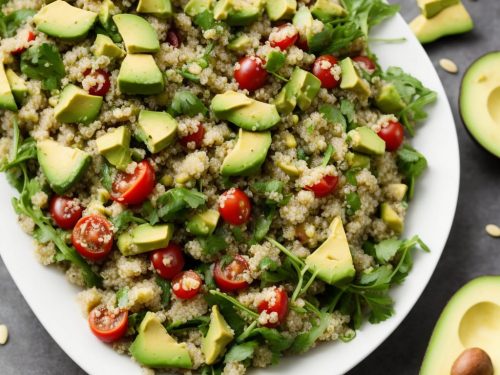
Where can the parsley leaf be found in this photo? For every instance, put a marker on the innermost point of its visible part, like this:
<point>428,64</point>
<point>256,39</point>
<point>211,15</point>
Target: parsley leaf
<point>241,352</point>
<point>43,62</point>
<point>213,244</point>
<point>387,249</point>
<point>171,204</point>
<point>368,13</point>
<point>411,164</point>
<point>186,103</point>
<point>333,115</point>
<point>9,24</point>
<point>347,109</point>
<point>306,340</point>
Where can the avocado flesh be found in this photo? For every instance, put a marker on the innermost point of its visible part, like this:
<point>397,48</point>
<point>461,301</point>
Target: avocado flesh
<point>7,100</point>
<point>144,238</point>
<point>154,347</point>
<point>158,8</point>
<point>137,33</point>
<point>247,155</point>
<point>204,223</point>
<point>450,21</point>
<point>75,105</point>
<point>303,21</point>
<point>63,166</point>
<point>218,336</point>
<point>115,147</point>
<point>156,129</point>
<point>366,141</point>
<point>104,46</point>
<point>237,12</point>
<point>195,7</point>
<point>480,101</point>
<point>240,43</point>
<point>139,75</point>
<point>300,90</point>
<point>470,319</point>
<point>351,79</point>
<point>328,10</point>
<point>64,21</point>
<point>391,218</point>
<point>430,8</point>
<point>389,100</point>
<point>17,85</point>
<point>280,9</point>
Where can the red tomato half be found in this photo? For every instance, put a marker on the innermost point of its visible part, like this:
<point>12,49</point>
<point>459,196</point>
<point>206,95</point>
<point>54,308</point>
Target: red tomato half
<point>235,207</point>
<point>196,137</point>
<point>284,36</point>
<point>366,63</point>
<point>324,187</point>
<point>187,284</point>
<point>103,82</point>
<point>393,135</point>
<point>168,262</point>
<point>134,188</point>
<point>250,73</point>
<point>29,37</point>
<point>65,211</point>
<point>322,69</point>
<point>276,307</point>
<point>231,277</point>
<point>108,325</point>
<point>92,237</point>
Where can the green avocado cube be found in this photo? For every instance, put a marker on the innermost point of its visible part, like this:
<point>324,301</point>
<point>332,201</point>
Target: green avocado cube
<point>300,90</point>
<point>238,12</point>
<point>144,238</point>
<point>328,10</point>
<point>104,46</point>
<point>303,21</point>
<point>219,335</point>
<point>391,218</point>
<point>366,141</point>
<point>7,100</point>
<point>139,75</point>
<point>396,191</point>
<point>17,85</point>
<point>240,43</point>
<point>388,99</point>
<point>156,129</point>
<point>351,79</point>
<point>195,7</point>
<point>355,160</point>
<point>430,8</point>
<point>115,147</point>
<point>137,33</point>
<point>204,223</point>
<point>76,105</point>
<point>280,9</point>
<point>158,8</point>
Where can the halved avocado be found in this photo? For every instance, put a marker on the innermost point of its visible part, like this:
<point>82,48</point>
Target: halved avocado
<point>480,101</point>
<point>470,319</point>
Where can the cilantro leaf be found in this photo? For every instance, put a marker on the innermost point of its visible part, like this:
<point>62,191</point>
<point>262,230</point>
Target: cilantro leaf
<point>306,340</point>
<point>368,13</point>
<point>10,23</point>
<point>275,340</point>
<point>241,352</point>
<point>43,62</point>
<point>205,20</point>
<point>176,200</point>
<point>186,103</point>
<point>165,290</point>
<point>347,109</point>
<point>333,115</point>
<point>123,220</point>
<point>213,244</point>
<point>387,249</point>
<point>411,164</point>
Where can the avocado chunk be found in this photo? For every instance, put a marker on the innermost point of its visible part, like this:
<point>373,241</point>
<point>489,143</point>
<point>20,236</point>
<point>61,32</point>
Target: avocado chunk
<point>158,8</point>
<point>450,21</point>
<point>63,166</point>
<point>204,223</point>
<point>76,105</point>
<point>480,101</point>
<point>333,259</point>
<point>351,79</point>
<point>104,46</point>
<point>195,7</point>
<point>139,75</point>
<point>218,336</point>
<point>144,238</point>
<point>137,33</point>
<point>396,191</point>
<point>247,113</point>
<point>17,85</point>
<point>289,169</point>
<point>388,99</point>
<point>303,21</point>
<point>300,90</point>
<point>366,141</point>
<point>391,218</point>
<point>247,155</point>
<point>115,147</point>
<point>355,160</point>
<point>238,12</point>
<point>328,10</point>
<point>430,8</point>
<point>240,43</point>
<point>154,347</point>
<point>280,9</point>
<point>7,100</point>
<point>64,21</point>
<point>156,129</point>
<point>470,319</point>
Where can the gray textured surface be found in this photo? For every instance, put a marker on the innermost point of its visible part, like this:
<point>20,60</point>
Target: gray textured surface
<point>469,252</point>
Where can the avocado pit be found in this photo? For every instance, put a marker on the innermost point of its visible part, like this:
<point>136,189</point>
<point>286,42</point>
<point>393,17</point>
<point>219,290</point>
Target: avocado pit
<point>473,361</point>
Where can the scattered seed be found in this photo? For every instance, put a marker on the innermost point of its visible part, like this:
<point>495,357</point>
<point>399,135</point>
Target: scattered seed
<point>448,65</point>
<point>493,230</point>
<point>4,334</point>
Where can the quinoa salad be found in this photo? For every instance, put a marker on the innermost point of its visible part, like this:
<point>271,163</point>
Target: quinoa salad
<point>226,180</point>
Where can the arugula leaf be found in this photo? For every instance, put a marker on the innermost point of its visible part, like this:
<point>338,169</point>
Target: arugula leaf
<point>353,203</point>
<point>201,322</point>
<point>276,341</point>
<point>334,38</point>
<point>21,151</point>
<point>213,244</point>
<point>333,115</point>
<point>165,290</point>
<point>241,352</point>
<point>43,62</point>
<point>328,155</point>
<point>228,306</point>
<point>10,23</point>
<point>368,13</point>
<point>122,297</point>
<point>177,200</point>
<point>304,341</point>
<point>411,164</point>
<point>186,103</point>
<point>123,220</point>
<point>275,60</point>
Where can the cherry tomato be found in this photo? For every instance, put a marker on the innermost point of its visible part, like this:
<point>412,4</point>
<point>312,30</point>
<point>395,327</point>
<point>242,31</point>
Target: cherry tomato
<point>235,207</point>
<point>276,307</point>
<point>92,237</point>
<point>196,137</point>
<point>65,211</point>
<point>173,38</point>
<point>103,82</point>
<point>250,73</point>
<point>324,187</point>
<point>29,37</point>
<point>168,262</point>
<point>284,36</point>
<point>366,63</point>
<point>231,277</point>
<point>393,135</point>
<point>322,69</point>
<point>108,325</point>
<point>134,188</point>
<point>187,284</point>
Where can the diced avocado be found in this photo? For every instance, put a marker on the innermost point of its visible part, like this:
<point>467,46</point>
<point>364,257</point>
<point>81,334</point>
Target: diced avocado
<point>430,8</point>
<point>76,105</point>
<point>396,191</point>
<point>137,33</point>
<point>328,10</point>
<point>238,12</point>
<point>115,147</point>
<point>7,100</point>
<point>280,9</point>
<point>247,155</point>
<point>18,86</point>
<point>144,238</point>
<point>366,141</point>
<point>204,223</point>
<point>62,20</point>
<point>63,166</point>
<point>355,160</point>
<point>154,347</point>
<point>240,43</point>
<point>300,90</point>
<point>158,8</point>
<point>245,112</point>
<point>156,129</point>
<point>104,46</point>
<point>388,99</point>
<point>290,169</point>
<point>333,259</point>
<point>218,336</point>
<point>195,7</point>
<point>105,10</point>
<point>303,21</point>
<point>351,79</point>
<point>140,75</point>
<point>391,218</point>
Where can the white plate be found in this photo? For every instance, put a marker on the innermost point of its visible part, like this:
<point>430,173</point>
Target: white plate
<point>52,298</point>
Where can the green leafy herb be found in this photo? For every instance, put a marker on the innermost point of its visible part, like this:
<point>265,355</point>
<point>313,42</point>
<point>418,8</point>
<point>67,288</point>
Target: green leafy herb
<point>411,164</point>
<point>149,213</point>
<point>368,13</point>
<point>123,220</point>
<point>9,24</point>
<point>241,352</point>
<point>177,200</point>
<point>43,62</point>
<point>328,155</point>
<point>122,297</point>
<point>21,151</point>
<point>351,174</point>
<point>186,103</point>
<point>265,188</point>
<point>334,38</point>
<point>387,249</point>
<point>213,244</point>
<point>333,115</point>
<point>348,110</point>
<point>134,320</point>
<point>275,61</point>
<point>201,323</point>
<point>205,20</point>
<point>165,290</point>
<point>228,307</point>
<point>353,203</point>
<point>306,340</point>
<point>276,341</point>
<point>301,154</point>
<point>262,225</point>
<point>106,176</point>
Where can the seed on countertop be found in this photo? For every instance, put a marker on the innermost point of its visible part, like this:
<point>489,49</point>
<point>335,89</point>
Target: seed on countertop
<point>4,334</point>
<point>448,65</point>
<point>493,230</point>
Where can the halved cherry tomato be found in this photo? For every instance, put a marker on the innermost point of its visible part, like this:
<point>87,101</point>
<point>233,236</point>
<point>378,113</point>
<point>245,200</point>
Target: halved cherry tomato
<point>196,137</point>
<point>108,325</point>
<point>168,262</point>
<point>103,84</point>
<point>366,63</point>
<point>230,277</point>
<point>92,237</point>
<point>250,73</point>
<point>276,307</point>
<point>187,284</point>
<point>134,188</point>
<point>393,135</point>
<point>324,187</point>
<point>322,69</point>
<point>29,37</point>
<point>65,211</point>
<point>284,36</point>
<point>235,207</point>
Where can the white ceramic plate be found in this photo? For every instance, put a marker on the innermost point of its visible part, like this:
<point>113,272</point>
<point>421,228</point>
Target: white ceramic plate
<point>52,298</point>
